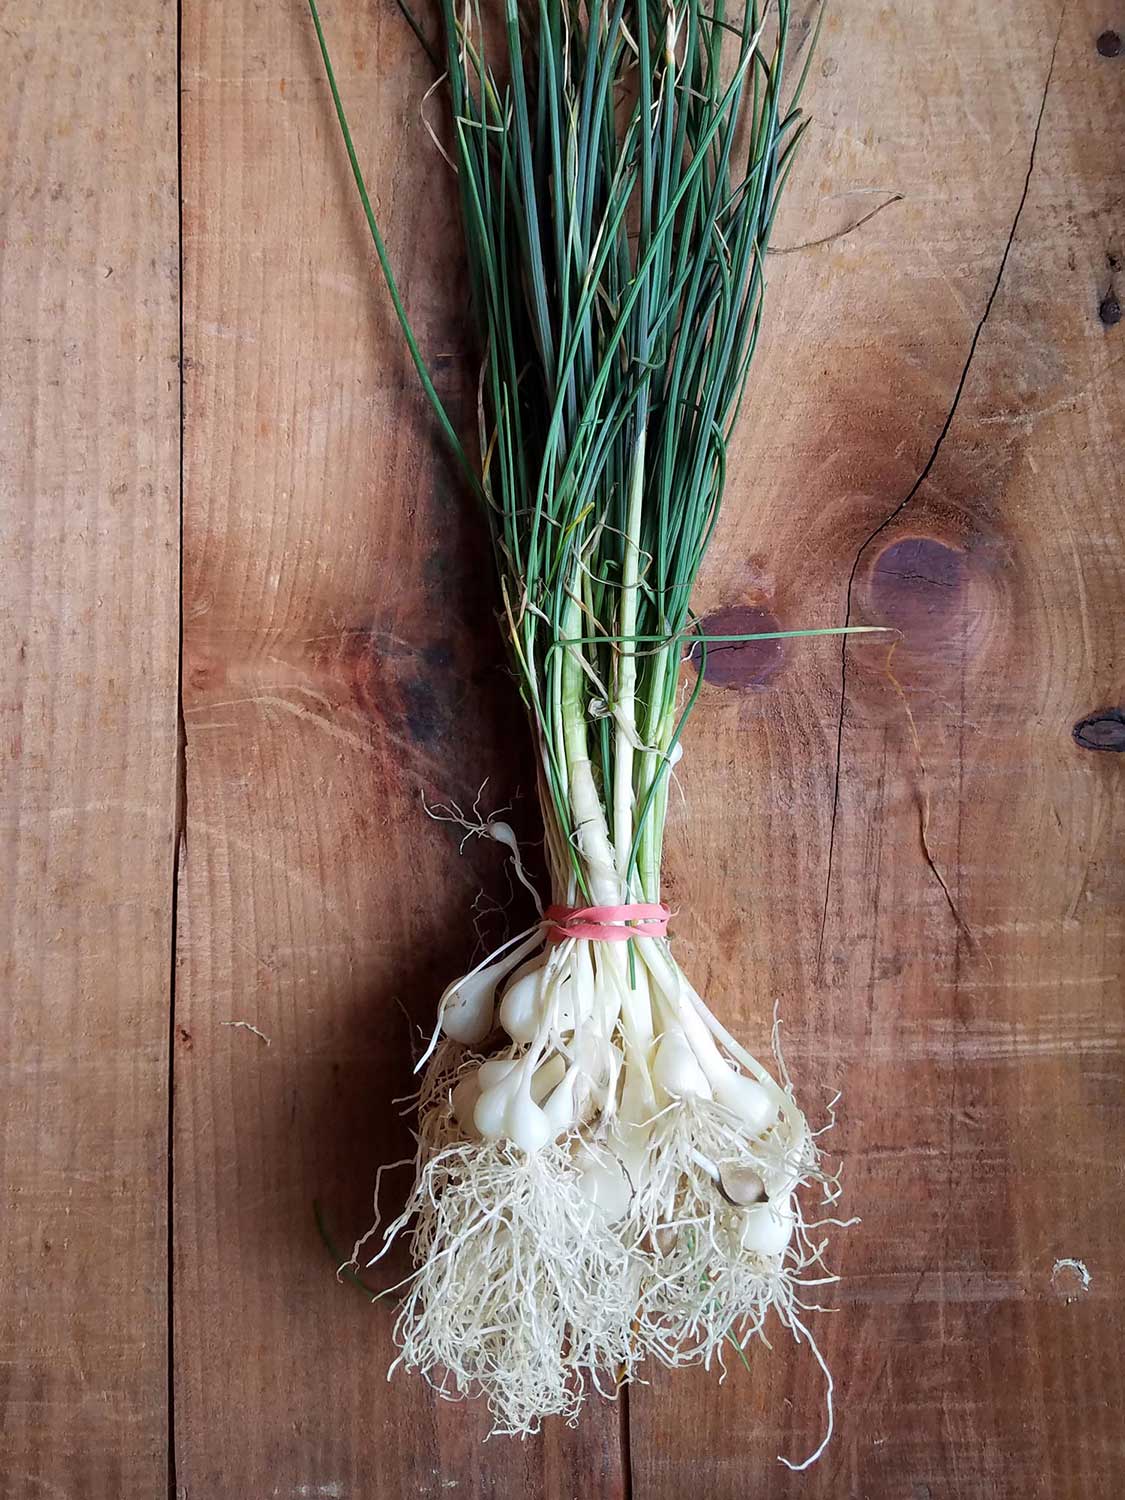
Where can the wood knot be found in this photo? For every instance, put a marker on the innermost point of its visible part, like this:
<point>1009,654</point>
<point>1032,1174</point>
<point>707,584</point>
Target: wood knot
<point>916,585</point>
<point>203,675</point>
<point>1108,44</point>
<point>743,665</point>
<point>389,677</point>
<point>1101,731</point>
<point>949,602</point>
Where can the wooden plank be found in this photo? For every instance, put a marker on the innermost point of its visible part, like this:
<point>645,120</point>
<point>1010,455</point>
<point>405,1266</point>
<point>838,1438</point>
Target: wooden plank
<point>89,495</point>
<point>340,661</point>
<point>981,1062</point>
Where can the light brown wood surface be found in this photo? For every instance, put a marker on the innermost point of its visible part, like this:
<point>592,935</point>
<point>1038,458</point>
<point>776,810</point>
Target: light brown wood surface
<point>910,854</point>
<point>89,603</point>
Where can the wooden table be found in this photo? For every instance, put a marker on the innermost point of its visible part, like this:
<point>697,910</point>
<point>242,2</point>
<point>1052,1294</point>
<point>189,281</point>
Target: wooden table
<point>247,627</point>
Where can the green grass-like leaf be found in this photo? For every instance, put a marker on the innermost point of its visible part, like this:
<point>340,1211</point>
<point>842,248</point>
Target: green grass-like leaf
<point>619,172</point>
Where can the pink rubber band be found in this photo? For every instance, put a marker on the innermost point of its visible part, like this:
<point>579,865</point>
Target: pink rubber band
<point>594,924</point>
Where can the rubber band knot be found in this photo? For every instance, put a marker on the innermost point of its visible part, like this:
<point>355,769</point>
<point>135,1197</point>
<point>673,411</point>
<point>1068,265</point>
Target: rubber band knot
<point>607,924</point>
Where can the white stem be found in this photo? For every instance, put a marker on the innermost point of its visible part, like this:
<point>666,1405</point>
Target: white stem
<point>590,826</point>
<point>625,695</point>
<point>694,1015</point>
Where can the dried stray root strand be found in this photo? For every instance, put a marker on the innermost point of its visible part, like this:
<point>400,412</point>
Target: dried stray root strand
<point>618,1180</point>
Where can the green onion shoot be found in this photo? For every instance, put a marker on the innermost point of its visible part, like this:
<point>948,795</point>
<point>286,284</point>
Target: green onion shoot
<point>604,1175</point>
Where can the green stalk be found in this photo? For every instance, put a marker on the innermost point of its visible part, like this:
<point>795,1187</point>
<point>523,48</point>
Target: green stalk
<point>654,767</point>
<point>617,199</point>
<point>625,707</point>
<point>435,401</point>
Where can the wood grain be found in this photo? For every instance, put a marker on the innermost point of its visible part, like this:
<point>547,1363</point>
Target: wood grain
<point>340,662</point>
<point>89,498</point>
<point>337,655</point>
<point>910,852</point>
<point>975,1030</point>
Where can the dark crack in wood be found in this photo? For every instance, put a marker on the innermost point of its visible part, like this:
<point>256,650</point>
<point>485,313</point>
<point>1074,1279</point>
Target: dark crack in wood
<point>897,511</point>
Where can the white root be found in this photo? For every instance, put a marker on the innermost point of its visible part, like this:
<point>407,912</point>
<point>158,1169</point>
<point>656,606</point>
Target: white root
<point>522,1292</point>
<point>618,1180</point>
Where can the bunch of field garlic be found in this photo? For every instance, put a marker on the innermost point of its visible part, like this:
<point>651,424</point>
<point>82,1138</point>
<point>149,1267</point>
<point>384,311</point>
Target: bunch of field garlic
<point>603,1174</point>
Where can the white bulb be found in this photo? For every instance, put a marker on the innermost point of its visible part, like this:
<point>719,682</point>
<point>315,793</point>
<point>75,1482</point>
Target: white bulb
<point>490,1114</point>
<point>750,1101</point>
<point>604,1183</point>
<point>527,1125</point>
<point>466,1008</point>
<point>677,1070</point>
<point>768,1227</point>
<point>464,1101</point>
<point>559,1108</point>
<point>502,833</point>
<point>520,1010</point>
<point>494,1071</point>
<point>547,1077</point>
